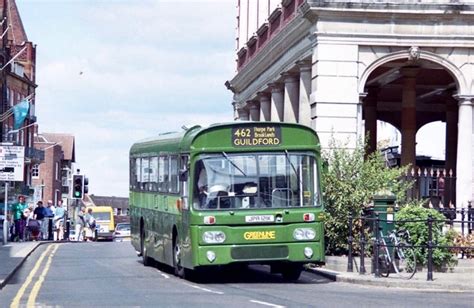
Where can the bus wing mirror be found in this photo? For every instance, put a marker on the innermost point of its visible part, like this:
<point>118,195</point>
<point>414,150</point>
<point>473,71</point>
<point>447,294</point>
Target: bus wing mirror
<point>183,175</point>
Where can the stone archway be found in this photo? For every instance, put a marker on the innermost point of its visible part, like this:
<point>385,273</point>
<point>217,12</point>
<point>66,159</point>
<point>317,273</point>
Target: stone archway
<point>409,89</point>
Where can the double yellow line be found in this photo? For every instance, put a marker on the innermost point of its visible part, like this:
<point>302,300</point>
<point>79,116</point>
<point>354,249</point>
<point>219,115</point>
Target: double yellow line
<point>51,250</point>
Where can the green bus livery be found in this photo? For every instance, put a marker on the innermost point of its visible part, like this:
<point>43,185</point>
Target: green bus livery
<point>243,192</point>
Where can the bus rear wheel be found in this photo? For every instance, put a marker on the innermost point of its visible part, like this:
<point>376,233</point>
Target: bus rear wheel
<point>143,251</point>
<point>178,268</point>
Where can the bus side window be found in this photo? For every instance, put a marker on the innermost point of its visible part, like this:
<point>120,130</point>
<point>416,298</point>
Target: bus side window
<point>154,173</point>
<point>173,174</point>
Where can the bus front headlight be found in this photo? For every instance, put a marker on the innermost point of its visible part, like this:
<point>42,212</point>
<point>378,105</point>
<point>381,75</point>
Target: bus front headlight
<point>301,234</point>
<point>213,237</point>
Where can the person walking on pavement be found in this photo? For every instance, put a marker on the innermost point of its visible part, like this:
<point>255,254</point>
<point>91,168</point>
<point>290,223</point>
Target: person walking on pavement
<point>90,225</point>
<point>59,215</point>
<point>17,212</point>
<point>80,224</point>
<point>49,215</point>
<point>39,215</point>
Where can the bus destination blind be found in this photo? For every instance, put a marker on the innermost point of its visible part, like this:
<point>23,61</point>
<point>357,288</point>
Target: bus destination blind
<point>256,136</point>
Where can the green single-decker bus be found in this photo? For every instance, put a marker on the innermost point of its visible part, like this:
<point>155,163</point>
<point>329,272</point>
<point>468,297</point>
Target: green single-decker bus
<point>231,193</point>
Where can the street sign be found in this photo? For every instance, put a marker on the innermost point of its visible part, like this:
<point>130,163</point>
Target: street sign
<point>12,163</point>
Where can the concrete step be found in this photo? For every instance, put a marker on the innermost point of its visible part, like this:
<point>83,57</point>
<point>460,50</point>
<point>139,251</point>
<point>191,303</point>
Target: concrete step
<point>339,264</point>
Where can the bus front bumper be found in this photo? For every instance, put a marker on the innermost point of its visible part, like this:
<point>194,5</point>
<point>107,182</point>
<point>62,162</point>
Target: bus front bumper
<point>304,252</point>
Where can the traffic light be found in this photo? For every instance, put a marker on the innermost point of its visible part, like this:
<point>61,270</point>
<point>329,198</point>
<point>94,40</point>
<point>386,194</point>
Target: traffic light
<point>86,187</point>
<point>77,186</point>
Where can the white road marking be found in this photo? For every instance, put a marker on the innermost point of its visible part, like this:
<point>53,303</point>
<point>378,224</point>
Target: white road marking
<point>266,304</point>
<point>204,289</point>
<point>164,275</point>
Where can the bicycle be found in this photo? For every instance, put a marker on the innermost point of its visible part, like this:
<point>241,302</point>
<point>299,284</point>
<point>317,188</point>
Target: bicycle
<point>403,259</point>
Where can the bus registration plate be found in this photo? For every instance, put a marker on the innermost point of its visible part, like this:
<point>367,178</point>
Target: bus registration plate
<point>259,218</point>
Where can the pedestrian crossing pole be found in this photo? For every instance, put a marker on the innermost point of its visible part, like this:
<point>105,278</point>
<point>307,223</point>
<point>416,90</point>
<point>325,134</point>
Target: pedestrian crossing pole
<point>5,211</point>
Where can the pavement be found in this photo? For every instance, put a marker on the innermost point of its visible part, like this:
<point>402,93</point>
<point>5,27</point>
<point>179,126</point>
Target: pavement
<point>461,279</point>
<point>458,279</point>
<point>12,256</point>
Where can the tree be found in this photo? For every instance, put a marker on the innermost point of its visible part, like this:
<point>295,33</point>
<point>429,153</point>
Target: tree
<point>349,182</point>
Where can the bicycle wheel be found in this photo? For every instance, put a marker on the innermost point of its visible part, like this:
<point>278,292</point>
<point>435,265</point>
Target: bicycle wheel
<point>404,261</point>
<point>384,264</point>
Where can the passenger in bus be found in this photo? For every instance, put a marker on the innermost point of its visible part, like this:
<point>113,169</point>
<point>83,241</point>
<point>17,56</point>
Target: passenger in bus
<point>216,192</point>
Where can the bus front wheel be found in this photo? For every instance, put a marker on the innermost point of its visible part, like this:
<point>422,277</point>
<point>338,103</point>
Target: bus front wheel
<point>292,272</point>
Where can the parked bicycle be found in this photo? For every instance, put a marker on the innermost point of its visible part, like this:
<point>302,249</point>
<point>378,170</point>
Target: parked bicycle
<point>402,259</point>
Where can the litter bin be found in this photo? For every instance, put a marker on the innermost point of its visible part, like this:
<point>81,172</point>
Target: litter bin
<point>384,205</point>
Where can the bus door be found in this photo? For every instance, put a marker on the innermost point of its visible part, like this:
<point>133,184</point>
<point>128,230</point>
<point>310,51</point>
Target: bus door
<point>184,208</point>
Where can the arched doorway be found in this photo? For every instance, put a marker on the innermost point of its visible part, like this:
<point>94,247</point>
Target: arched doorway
<point>410,90</point>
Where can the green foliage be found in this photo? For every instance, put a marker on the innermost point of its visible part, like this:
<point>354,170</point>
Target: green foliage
<point>419,234</point>
<point>349,183</point>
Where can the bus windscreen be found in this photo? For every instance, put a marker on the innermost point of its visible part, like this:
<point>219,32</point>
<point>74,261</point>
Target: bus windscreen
<point>256,180</point>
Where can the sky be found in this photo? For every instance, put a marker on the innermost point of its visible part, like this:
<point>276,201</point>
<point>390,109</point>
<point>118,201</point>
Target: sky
<point>113,72</point>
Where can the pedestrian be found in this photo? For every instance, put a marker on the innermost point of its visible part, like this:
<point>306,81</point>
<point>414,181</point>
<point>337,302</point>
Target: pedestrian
<point>59,216</point>
<point>39,214</point>
<point>18,220</point>
<point>80,224</point>
<point>49,216</point>
<point>90,225</point>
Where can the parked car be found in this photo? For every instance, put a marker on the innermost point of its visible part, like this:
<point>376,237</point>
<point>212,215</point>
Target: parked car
<point>122,232</point>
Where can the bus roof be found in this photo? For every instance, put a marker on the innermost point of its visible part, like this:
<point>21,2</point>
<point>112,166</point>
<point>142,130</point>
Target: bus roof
<point>200,138</point>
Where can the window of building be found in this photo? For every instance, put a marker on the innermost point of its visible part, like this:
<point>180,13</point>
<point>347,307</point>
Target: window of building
<point>22,138</point>
<point>35,171</point>
<point>12,98</point>
<point>56,171</point>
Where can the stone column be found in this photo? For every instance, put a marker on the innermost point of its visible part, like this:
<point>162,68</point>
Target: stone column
<point>409,116</point>
<point>370,116</point>
<point>276,113</point>
<point>304,110</point>
<point>464,153</point>
<point>242,112</point>
<point>292,95</point>
<point>254,110</point>
<point>450,150</point>
<point>265,106</point>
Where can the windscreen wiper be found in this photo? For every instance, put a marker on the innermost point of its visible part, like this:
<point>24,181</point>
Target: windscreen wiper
<point>293,167</point>
<point>232,163</point>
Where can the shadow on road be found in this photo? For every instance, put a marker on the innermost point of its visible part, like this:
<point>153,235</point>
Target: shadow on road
<point>240,273</point>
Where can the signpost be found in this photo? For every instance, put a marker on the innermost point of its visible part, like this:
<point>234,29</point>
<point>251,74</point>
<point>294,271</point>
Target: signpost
<point>12,163</point>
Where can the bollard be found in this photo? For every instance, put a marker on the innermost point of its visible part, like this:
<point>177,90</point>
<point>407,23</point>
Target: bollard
<point>66,229</point>
<point>377,245</point>
<point>430,248</point>
<point>50,229</point>
<point>362,248</point>
<point>350,240</point>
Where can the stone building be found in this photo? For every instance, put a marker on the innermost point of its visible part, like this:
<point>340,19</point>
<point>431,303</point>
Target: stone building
<point>339,66</point>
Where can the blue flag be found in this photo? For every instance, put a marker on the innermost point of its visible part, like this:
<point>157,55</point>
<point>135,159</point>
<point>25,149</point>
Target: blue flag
<point>20,111</point>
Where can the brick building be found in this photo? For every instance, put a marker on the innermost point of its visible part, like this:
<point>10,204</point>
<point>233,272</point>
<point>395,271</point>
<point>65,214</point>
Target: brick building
<point>52,178</point>
<point>18,82</point>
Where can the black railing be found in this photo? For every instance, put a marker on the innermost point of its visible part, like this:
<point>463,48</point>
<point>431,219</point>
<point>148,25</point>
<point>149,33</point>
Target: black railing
<point>436,186</point>
<point>467,228</point>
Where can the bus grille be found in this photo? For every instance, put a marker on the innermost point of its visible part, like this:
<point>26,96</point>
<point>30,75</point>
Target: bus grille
<point>265,252</point>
